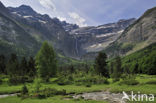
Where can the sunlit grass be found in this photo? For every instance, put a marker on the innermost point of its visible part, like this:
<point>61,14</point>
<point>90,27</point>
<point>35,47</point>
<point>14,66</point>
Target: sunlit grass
<point>142,87</point>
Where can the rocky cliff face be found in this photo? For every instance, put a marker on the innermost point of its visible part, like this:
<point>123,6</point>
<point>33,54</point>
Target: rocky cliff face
<point>137,36</point>
<point>72,40</point>
<point>22,22</point>
<point>94,39</point>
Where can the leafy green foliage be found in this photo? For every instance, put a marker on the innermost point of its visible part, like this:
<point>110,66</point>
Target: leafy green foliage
<point>37,83</point>
<point>81,78</point>
<point>24,90</point>
<point>151,82</point>
<point>129,82</point>
<point>46,62</point>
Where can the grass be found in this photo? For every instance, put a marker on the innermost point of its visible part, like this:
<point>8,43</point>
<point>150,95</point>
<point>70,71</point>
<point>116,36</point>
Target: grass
<point>143,87</point>
<point>6,89</point>
<point>56,99</point>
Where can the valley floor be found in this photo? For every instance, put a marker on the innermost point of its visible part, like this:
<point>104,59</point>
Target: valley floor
<point>144,87</point>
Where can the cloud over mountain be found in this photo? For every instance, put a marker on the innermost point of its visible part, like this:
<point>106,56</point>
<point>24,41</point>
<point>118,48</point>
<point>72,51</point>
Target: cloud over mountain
<point>78,19</point>
<point>48,4</point>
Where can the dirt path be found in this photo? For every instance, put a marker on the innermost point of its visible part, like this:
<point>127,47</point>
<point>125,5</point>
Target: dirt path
<point>7,95</point>
<point>100,96</point>
<point>104,95</point>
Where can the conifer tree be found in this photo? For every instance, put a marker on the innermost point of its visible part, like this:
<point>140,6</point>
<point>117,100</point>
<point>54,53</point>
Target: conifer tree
<point>23,67</point>
<point>46,62</point>
<point>31,67</point>
<point>2,64</point>
<point>101,64</point>
<point>13,65</point>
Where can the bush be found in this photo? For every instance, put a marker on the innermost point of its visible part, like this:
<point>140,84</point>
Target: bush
<point>48,92</point>
<point>116,80</point>
<point>37,84</point>
<point>24,90</point>
<point>129,82</point>
<point>151,82</point>
<point>64,82</point>
<point>1,81</point>
<point>88,85</point>
<point>17,80</point>
<point>102,81</point>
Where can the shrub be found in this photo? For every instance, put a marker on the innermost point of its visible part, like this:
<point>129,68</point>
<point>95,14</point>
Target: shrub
<point>91,80</point>
<point>88,85</point>
<point>37,84</point>
<point>1,81</point>
<point>78,83</point>
<point>48,92</point>
<point>24,90</point>
<point>116,80</point>
<point>151,82</point>
<point>129,82</point>
<point>64,82</point>
<point>102,81</point>
<point>17,80</point>
<point>70,78</point>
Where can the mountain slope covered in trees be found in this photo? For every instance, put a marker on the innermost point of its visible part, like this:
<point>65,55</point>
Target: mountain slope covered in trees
<point>142,61</point>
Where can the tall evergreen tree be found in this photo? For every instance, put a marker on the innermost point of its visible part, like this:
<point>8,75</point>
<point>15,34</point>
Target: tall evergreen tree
<point>46,62</point>
<point>23,68</point>
<point>31,67</point>
<point>118,64</point>
<point>2,64</point>
<point>135,69</point>
<point>117,70</point>
<point>111,67</point>
<point>13,65</point>
<point>101,64</point>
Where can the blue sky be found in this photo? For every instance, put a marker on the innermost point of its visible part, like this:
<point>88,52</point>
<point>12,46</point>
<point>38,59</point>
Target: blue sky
<point>87,12</point>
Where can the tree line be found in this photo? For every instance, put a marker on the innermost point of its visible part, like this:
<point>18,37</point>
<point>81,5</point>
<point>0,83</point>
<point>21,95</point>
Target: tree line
<point>45,66</point>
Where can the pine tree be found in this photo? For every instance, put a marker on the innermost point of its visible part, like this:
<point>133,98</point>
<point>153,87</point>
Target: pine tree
<point>13,66</point>
<point>101,64</point>
<point>111,67</point>
<point>23,67</point>
<point>2,64</point>
<point>118,64</point>
<point>46,62</point>
<point>117,70</point>
<point>31,67</point>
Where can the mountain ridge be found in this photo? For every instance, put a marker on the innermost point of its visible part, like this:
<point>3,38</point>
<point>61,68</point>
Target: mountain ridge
<point>137,36</point>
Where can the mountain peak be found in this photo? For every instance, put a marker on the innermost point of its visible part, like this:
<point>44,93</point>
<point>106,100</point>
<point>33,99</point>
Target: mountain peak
<point>1,4</point>
<point>24,7</point>
<point>23,10</point>
<point>3,9</point>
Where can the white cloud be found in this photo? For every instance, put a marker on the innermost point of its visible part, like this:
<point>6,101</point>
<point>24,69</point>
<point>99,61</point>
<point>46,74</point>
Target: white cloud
<point>48,4</point>
<point>74,17</point>
<point>77,19</point>
<point>62,18</point>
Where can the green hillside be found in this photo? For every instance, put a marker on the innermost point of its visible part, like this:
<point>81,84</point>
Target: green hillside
<point>142,61</point>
